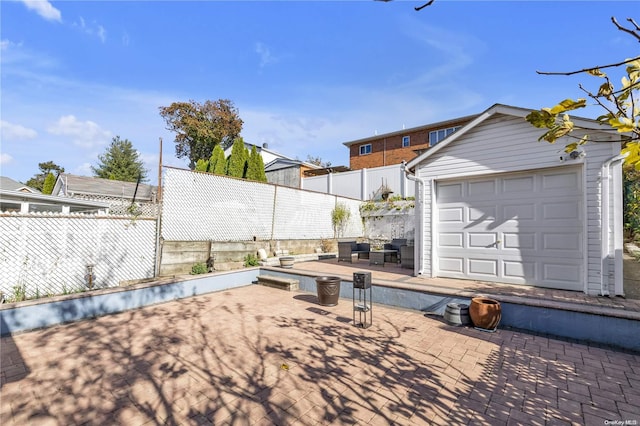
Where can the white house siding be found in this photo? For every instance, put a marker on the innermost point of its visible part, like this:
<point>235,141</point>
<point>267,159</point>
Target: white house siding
<point>506,143</point>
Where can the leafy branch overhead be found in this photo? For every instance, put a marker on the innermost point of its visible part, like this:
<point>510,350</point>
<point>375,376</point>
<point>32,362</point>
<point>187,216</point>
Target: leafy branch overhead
<point>620,105</point>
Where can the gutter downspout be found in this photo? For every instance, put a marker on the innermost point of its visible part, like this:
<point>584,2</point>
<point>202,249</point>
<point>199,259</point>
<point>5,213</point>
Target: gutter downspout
<point>419,248</point>
<point>605,251</point>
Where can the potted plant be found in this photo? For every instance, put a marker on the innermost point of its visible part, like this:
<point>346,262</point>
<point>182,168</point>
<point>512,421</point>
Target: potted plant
<point>328,289</point>
<point>286,261</point>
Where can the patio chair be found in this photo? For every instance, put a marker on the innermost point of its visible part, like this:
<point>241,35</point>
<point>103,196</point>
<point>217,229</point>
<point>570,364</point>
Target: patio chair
<point>346,250</point>
<point>363,250</point>
<point>395,244</point>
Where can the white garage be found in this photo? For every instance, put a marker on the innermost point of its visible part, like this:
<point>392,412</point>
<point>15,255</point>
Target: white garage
<point>519,228</point>
<point>497,205</point>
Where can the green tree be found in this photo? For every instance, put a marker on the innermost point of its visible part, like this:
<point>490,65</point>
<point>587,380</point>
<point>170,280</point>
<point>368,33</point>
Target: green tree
<point>120,162</point>
<point>200,127</point>
<point>217,162</point>
<point>237,161</point>
<point>632,202</point>
<point>620,105</point>
<point>255,166</point>
<point>49,183</point>
<point>202,165</point>
<point>37,181</point>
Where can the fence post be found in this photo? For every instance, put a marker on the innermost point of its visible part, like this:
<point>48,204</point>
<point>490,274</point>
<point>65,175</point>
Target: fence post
<point>364,188</point>
<point>273,214</point>
<point>403,182</point>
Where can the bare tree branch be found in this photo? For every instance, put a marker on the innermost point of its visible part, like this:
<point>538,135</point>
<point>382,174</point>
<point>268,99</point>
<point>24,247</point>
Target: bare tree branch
<point>419,8</point>
<point>589,69</point>
<point>429,3</point>
<point>626,30</point>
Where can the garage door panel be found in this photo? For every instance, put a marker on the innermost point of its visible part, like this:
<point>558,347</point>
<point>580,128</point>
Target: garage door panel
<point>521,228</point>
<point>561,181</point>
<point>482,213</point>
<point>557,241</point>
<point>452,239</point>
<point>519,241</point>
<point>561,210</point>
<point>521,211</point>
<point>518,184</point>
<point>452,214</point>
<point>450,191</point>
<point>483,267</point>
<point>453,265</point>
<point>482,188</point>
<point>519,271</point>
<point>482,239</point>
<point>560,272</point>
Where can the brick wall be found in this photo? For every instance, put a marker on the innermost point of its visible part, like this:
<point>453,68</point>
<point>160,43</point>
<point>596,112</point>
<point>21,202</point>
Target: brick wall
<point>387,149</point>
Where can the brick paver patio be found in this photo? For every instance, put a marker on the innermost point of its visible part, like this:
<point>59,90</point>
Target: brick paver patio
<point>257,355</point>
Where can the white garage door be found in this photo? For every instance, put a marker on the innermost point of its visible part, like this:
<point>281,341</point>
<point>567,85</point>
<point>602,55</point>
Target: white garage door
<point>518,228</point>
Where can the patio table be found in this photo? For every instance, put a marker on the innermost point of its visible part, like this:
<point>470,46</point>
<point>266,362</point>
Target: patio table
<point>377,257</point>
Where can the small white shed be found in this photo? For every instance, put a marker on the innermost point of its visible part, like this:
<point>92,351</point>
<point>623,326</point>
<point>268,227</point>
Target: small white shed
<point>497,205</point>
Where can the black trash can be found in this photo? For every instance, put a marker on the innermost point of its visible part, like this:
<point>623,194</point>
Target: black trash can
<point>328,290</point>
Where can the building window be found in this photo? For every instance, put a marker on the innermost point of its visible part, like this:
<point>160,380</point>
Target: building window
<point>438,135</point>
<point>365,149</point>
<point>406,141</point>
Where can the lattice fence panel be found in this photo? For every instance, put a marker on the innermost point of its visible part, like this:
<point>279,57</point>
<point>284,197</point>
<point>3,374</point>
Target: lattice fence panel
<point>307,215</point>
<point>48,254</point>
<point>203,207</point>
<point>302,215</point>
<point>122,206</point>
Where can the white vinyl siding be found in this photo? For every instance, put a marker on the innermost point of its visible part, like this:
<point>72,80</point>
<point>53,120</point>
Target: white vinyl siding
<point>505,143</point>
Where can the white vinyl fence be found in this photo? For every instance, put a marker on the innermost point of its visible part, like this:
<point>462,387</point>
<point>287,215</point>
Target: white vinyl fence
<point>204,207</point>
<point>363,184</point>
<point>49,254</point>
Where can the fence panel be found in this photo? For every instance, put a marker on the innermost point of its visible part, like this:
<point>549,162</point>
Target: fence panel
<point>48,254</point>
<point>302,215</point>
<point>203,207</point>
<point>362,184</point>
<point>347,184</point>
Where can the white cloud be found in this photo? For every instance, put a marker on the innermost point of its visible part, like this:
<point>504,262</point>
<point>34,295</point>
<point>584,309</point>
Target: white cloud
<point>92,29</point>
<point>44,9</point>
<point>86,134</point>
<point>83,169</point>
<point>10,131</point>
<point>266,57</point>
<point>5,158</point>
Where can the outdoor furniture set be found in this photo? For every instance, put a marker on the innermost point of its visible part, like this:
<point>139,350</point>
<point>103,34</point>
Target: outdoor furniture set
<point>397,251</point>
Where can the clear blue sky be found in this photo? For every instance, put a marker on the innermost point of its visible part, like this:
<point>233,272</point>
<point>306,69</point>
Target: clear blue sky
<point>306,76</point>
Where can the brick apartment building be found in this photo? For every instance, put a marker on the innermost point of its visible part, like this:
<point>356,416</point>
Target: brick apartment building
<point>393,148</point>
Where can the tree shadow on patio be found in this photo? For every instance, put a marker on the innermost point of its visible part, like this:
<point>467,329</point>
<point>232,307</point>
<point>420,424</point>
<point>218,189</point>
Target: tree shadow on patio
<point>255,355</point>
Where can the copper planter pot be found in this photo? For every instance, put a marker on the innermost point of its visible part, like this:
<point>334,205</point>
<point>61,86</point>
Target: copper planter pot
<point>485,313</point>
